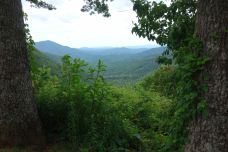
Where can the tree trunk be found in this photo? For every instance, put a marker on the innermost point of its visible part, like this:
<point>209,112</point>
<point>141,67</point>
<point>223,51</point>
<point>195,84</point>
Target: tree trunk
<point>19,121</point>
<point>210,134</point>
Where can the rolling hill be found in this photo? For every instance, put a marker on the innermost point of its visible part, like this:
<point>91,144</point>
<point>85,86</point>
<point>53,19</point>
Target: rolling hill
<point>47,60</point>
<point>123,64</point>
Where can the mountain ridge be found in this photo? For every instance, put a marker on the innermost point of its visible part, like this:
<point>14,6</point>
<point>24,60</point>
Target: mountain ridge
<point>122,63</point>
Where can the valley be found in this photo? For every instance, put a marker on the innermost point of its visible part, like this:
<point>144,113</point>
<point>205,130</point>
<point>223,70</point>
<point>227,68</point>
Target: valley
<point>123,65</point>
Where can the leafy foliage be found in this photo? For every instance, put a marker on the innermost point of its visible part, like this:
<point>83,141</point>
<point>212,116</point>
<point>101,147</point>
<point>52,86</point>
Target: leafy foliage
<point>99,6</point>
<point>92,6</point>
<point>41,4</point>
<point>167,25</point>
<point>174,26</point>
<point>164,60</point>
<point>80,108</point>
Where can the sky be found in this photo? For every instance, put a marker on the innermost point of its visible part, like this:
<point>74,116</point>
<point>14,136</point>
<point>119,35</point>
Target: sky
<point>69,26</point>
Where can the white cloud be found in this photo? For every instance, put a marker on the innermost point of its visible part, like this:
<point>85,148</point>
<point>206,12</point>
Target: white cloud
<point>69,26</point>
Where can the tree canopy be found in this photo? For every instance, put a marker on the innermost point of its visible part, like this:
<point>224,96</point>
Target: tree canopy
<point>41,4</point>
<point>92,6</point>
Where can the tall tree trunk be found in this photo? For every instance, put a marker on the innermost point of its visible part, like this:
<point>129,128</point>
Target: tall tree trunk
<point>210,134</point>
<point>19,121</point>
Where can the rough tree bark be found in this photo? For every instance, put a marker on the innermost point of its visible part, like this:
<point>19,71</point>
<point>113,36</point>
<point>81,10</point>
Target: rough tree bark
<point>19,121</point>
<point>210,134</point>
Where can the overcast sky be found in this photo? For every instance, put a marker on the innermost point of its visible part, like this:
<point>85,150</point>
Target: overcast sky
<point>69,26</point>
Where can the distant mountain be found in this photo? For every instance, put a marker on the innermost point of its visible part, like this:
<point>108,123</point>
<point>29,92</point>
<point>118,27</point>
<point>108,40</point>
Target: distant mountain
<point>60,50</point>
<point>54,48</point>
<point>123,64</point>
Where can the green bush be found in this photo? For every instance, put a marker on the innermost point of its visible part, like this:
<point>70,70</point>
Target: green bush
<point>79,108</point>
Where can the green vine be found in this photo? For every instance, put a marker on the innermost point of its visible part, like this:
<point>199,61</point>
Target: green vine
<point>174,26</point>
<point>188,79</point>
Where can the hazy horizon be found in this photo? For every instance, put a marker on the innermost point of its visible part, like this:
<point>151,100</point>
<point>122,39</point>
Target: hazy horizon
<point>126,46</point>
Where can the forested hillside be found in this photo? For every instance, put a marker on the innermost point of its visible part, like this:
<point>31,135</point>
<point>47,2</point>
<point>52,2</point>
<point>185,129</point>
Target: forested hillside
<point>47,60</point>
<point>123,65</point>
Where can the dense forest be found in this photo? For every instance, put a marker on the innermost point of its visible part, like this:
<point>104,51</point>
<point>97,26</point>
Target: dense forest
<point>167,99</point>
